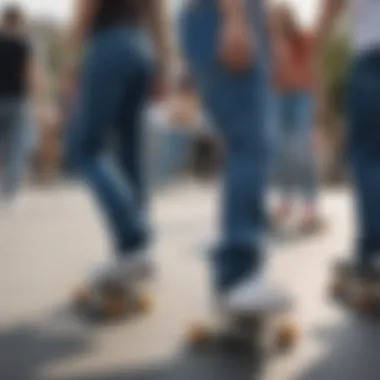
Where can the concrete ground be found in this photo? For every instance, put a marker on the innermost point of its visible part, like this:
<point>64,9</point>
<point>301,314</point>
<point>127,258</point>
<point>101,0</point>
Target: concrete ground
<point>47,246</point>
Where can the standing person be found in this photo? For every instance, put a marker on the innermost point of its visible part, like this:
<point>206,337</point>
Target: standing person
<point>20,79</point>
<point>294,103</point>
<point>115,80</point>
<point>363,114</point>
<point>225,43</point>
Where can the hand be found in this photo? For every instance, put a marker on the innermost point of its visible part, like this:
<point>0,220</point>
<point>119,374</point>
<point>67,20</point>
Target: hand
<point>235,45</point>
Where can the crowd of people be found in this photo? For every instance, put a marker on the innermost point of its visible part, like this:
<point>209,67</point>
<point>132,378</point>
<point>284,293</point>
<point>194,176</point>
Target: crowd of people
<point>256,75</point>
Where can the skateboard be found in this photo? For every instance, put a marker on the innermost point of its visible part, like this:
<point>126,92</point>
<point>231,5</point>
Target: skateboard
<point>250,330</point>
<point>357,288</point>
<point>114,300</point>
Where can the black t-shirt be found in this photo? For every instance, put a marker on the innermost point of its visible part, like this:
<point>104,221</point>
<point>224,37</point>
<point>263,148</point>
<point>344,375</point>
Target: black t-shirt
<point>14,55</point>
<point>117,12</point>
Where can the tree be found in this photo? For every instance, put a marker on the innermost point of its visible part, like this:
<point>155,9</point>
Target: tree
<point>336,65</point>
<point>336,68</point>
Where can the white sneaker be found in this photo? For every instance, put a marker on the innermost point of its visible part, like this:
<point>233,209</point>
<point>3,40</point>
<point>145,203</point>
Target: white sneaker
<point>126,270</point>
<point>255,295</point>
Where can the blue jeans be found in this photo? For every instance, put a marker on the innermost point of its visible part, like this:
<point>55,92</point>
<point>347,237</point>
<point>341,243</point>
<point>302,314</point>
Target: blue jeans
<point>295,167</point>
<point>106,133</point>
<point>15,145</point>
<point>236,104</point>
<point>364,149</point>
<point>171,155</point>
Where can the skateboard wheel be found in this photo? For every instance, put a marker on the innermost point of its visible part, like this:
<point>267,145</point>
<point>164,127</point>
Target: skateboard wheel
<point>145,303</point>
<point>114,307</point>
<point>286,335</point>
<point>198,334</point>
<point>364,305</point>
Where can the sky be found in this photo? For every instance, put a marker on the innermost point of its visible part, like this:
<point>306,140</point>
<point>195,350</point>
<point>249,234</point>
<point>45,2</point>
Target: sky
<point>60,9</point>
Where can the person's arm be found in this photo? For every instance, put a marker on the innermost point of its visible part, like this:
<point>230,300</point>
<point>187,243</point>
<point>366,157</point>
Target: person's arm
<point>80,25</point>
<point>278,48</point>
<point>235,45</point>
<point>158,25</point>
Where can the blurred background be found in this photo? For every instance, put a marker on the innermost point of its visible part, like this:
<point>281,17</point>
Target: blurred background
<point>48,22</point>
<point>49,242</point>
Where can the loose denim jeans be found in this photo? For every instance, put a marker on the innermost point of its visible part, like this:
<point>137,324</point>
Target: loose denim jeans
<point>295,167</point>
<point>113,90</point>
<point>237,104</point>
<point>364,149</point>
<point>16,143</point>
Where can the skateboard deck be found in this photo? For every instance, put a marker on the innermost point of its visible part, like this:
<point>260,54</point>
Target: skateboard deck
<point>114,300</point>
<point>357,290</point>
<point>250,329</point>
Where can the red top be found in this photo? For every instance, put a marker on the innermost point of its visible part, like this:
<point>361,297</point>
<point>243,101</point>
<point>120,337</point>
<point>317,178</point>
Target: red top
<point>294,71</point>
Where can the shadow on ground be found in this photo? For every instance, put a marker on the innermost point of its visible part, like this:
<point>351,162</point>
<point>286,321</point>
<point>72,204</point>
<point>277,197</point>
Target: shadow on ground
<point>352,352</point>
<point>192,365</point>
<point>26,349</point>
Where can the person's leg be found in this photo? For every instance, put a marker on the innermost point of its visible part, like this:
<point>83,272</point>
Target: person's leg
<point>14,149</point>
<point>4,133</point>
<point>306,173</point>
<point>129,139</point>
<point>109,69</point>
<point>364,150</point>
<point>285,161</point>
<point>236,103</point>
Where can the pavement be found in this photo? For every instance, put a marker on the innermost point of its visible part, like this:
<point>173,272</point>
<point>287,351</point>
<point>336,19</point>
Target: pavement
<point>47,246</point>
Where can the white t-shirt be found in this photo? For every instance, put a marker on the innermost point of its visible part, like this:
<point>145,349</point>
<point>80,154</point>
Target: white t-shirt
<point>365,21</point>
